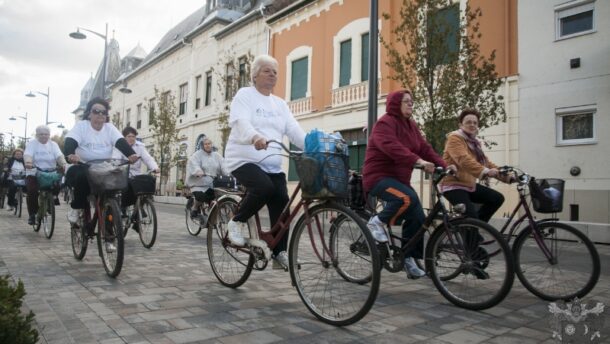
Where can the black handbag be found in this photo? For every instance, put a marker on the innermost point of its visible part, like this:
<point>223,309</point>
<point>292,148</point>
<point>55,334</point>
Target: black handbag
<point>226,182</point>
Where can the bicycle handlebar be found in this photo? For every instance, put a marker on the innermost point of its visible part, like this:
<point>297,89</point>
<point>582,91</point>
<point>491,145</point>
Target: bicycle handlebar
<point>520,176</point>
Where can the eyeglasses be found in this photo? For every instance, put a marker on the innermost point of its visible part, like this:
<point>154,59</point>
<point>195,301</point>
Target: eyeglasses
<point>99,112</point>
<point>410,102</point>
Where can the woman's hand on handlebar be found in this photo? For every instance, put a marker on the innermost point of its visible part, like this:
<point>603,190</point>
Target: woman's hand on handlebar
<point>260,143</point>
<point>73,158</point>
<point>133,158</point>
<point>425,165</point>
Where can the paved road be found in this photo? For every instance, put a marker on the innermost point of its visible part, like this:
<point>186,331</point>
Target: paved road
<point>169,295</point>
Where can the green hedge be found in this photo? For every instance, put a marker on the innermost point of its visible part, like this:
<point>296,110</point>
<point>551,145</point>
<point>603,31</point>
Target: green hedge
<point>14,326</point>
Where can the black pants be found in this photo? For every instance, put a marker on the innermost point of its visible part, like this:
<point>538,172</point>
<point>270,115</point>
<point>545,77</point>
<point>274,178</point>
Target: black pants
<point>76,177</point>
<point>489,199</point>
<point>204,197</point>
<point>12,190</point>
<point>263,189</point>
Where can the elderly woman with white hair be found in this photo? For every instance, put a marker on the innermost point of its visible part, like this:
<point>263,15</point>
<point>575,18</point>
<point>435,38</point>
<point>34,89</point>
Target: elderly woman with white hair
<point>44,154</point>
<point>257,116</point>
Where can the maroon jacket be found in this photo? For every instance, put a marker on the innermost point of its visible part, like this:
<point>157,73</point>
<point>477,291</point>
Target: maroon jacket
<point>394,146</point>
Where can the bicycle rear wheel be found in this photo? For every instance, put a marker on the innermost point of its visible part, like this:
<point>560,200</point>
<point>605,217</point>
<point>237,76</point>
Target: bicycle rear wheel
<point>126,219</point>
<point>192,224</point>
<point>470,264</point>
<point>48,218</point>
<point>110,238</point>
<point>147,222</point>
<point>19,199</point>
<point>574,267</point>
<point>232,266</point>
<point>78,236</point>
<point>337,282</point>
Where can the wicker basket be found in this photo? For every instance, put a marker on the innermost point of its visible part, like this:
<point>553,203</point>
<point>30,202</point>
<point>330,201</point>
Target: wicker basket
<point>107,175</point>
<point>323,175</point>
<point>547,195</point>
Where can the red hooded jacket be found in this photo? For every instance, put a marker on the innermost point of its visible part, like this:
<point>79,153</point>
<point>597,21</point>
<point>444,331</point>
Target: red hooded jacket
<point>394,146</point>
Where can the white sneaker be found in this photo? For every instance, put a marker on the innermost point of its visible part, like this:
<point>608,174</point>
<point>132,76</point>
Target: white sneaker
<point>377,229</point>
<point>235,229</point>
<point>110,248</point>
<point>413,272</point>
<point>281,261</point>
<point>74,215</point>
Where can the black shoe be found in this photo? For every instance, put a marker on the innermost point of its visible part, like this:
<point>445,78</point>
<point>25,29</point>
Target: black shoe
<point>32,219</point>
<point>136,227</point>
<point>479,273</point>
<point>56,201</point>
<point>194,214</point>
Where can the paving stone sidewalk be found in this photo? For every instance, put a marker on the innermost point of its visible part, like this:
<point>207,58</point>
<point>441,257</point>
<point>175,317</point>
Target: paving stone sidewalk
<point>168,294</point>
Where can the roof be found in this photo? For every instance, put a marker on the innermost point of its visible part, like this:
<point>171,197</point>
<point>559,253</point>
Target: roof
<point>137,52</point>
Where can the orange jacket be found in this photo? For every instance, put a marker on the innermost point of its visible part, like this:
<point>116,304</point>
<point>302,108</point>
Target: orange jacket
<point>469,169</point>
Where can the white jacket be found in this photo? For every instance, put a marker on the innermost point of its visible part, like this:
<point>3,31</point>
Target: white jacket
<point>211,164</point>
<point>136,168</point>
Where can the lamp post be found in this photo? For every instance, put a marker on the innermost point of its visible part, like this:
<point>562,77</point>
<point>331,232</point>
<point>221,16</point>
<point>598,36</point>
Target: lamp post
<point>25,133</point>
<point>48,95</point>
<point>373,37</point>
<point>80,35</point>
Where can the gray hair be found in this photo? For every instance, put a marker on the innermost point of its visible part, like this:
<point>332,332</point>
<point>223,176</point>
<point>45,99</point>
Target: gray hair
<point>43,128</point>
<point>259,62</point>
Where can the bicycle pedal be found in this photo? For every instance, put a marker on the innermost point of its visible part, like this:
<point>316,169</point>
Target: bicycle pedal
<point>260,244</point>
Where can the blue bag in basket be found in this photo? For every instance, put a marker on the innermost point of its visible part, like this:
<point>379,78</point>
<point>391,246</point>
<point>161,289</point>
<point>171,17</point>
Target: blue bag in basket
<point>324,167</point>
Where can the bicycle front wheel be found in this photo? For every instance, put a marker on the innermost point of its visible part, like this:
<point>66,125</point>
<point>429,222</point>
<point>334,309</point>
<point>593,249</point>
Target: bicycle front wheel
<point>571,270</point>
<point>192,224</point>
<point>333,264</point>
<point>470,263</point>
<point>231,265</point>
<point>147,222</point>
<point>19,198</point>
<point>110,238</point>
<point>48,217</point>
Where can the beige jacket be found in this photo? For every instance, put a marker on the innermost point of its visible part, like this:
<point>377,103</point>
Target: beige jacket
<point>469,169</point>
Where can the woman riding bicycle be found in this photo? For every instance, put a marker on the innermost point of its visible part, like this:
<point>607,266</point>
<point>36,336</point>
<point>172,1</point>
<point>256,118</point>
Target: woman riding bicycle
<point>130,134</point>
<point>258,116</point>
<point>14,166</point>
<point>90,139</point>
<point>202,167</point>
<point>395,145</point>
<point>463,149</point>
<point>46,155</point>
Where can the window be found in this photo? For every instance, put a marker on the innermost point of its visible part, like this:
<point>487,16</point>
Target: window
<point>443,34</point>
<point>183,97</point>
<point>151,110</point>
<point>198,92</point>
<point>241,82</point>
<point>298,80</point>
<point>345,64</point>
<point>139,116</point>
<point>208,88</point>
<point>128,117</point>
<point>364,57</point>
<point>229,73</point>
<point>574,19</point>
<point>576,125</point>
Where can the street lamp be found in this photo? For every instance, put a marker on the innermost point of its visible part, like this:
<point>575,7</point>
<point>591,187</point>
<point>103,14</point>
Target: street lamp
<point>80,35</point>
<point>48,94</point>
<point>60,126</point>
<point>25,134</point>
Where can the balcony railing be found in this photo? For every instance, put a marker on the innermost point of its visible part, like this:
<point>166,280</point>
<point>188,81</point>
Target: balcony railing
<point>300,106</point>
<point>350,94</point>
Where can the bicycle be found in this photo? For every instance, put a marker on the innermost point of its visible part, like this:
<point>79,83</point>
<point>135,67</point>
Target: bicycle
<point>319,252</point>
<point>195,224</point>
<point>144,220</point>
<point>19,180</point>
<point>45,216</point>
<point>106,179</point>
<point>554,260</point>
<point>461,270</point>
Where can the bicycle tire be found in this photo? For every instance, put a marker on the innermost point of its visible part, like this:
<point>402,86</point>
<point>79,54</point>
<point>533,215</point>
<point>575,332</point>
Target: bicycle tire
<point>19,198</point>
<point>192,225</point>
<point>111,232</point>
<point>147,222</point>
<point>38,222</point>
<point>357,247</point>
<point>462,270</point>
<point>49,217</point>
<point>78,237</point>
<point>231,266</point>
<point>319,274</point>
<point>126,219</point>
<point>576,271</point>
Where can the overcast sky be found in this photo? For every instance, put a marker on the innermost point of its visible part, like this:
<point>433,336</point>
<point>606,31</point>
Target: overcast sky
<point>36,51</point>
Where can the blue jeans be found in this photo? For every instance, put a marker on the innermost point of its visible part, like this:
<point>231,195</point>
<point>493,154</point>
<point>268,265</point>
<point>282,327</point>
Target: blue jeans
<point>402,206</point>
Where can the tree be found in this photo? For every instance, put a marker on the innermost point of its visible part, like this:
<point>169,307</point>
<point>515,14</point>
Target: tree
<point>435,54</point>
<point>164,133</point>
<point>59,139</point>
<point>234,77</point>
<point>15,327</point>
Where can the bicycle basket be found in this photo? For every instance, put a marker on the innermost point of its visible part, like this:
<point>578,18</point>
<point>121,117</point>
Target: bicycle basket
<point>106,175</point>
<point>143,184</point>
<point>547,195</point>
<point>323,175</point>
<point>47,180</point>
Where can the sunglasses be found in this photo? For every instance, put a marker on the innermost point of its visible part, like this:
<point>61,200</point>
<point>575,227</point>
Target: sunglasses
<point>99,112</point>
